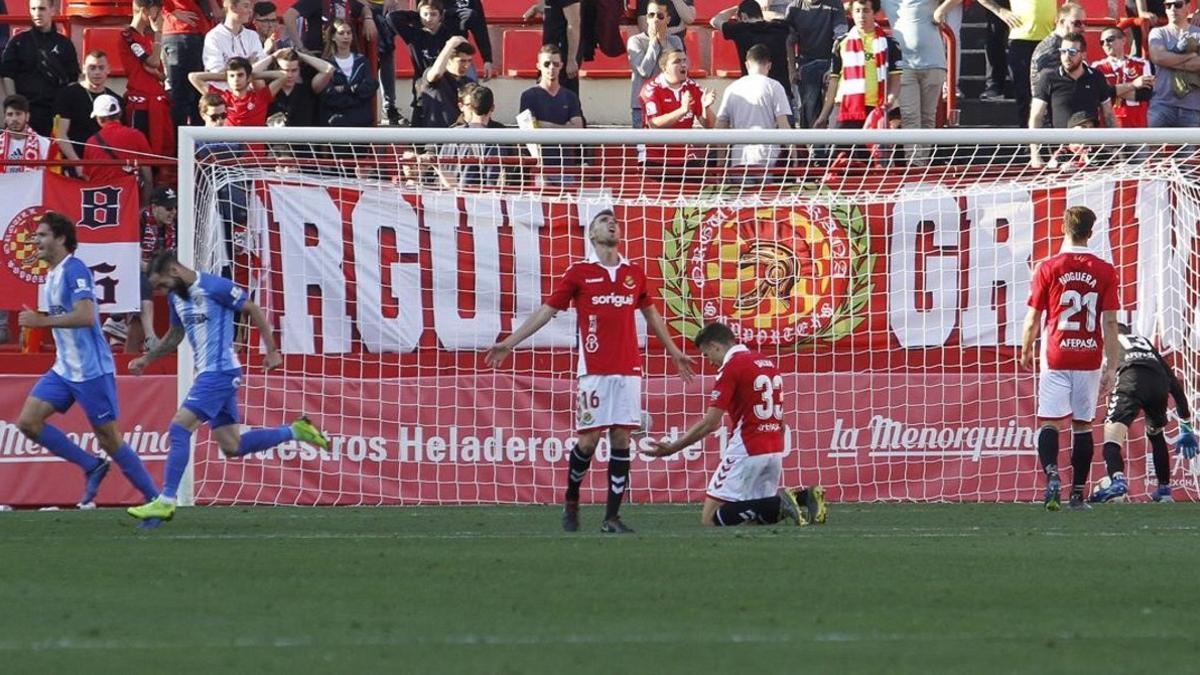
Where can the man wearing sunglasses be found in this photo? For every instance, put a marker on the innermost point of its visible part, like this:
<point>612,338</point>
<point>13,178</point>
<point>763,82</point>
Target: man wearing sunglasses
<point>643,50</point>
<point>1072,87</point>
<point>1175,51</point>
<point>1045,56</point>
<point>1129,76</point>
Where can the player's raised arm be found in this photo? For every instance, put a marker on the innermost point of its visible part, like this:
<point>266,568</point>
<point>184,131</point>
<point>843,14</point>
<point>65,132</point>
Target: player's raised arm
<point>683,362</point>
<point>500,351</point>
<point>1029,336</point>
<point>258,319</point>
<point>707,424</point>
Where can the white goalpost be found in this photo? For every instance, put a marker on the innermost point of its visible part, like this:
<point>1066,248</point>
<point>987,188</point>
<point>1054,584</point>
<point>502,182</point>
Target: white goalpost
<point>891,294</point>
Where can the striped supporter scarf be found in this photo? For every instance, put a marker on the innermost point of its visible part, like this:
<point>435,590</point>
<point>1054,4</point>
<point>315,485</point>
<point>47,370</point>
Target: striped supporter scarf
<point>853,87</point>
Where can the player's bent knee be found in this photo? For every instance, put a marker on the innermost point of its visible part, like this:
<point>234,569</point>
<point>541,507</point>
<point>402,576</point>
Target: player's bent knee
<point>30,427</point>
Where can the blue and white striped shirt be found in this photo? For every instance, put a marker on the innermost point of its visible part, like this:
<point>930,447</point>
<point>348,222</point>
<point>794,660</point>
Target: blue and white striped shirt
<point>83,353</point>
<point>207,315</point>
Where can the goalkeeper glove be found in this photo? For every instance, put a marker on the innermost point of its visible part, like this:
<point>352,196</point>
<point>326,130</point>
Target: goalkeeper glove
<point>1186,444</point>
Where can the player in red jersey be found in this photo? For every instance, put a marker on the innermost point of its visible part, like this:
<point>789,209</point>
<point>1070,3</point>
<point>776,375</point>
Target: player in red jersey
<point>1078,293</point>
<point>606,289</point>
<point>745,487</point>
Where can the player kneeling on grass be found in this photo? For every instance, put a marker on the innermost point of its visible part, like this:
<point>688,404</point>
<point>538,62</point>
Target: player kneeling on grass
<point>204,306</point>
<point>1144,380</point>
<point>745,488</point>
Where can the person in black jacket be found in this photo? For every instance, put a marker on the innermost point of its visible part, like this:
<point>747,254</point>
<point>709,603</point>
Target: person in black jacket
<point>347,100</point>
<point>39,63</point>
<point>426,33</point>
<point>469,17</point>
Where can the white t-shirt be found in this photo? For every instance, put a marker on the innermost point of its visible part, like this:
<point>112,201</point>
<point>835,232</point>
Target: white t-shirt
<point>220,45</point>
<point>753,102</point>
<point>346,65</point>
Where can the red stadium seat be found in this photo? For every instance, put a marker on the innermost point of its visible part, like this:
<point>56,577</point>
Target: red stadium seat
<point>707,9</point>
<point>1094,9</point>
<point>725,61</point>
<point>520,48</point>
<point>506,11</point>
<point>691,45</point>
<point>107,40</point>
<point>1095,51</point>
<point>404,64</point>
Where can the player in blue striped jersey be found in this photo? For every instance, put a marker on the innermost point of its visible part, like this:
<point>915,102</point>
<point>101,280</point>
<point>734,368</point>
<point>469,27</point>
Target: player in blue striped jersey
<point>204,308</point>
<point>83,368</point>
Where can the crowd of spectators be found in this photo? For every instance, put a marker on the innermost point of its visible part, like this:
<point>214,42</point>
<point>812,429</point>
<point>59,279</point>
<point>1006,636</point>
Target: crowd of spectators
<point>804,63</point>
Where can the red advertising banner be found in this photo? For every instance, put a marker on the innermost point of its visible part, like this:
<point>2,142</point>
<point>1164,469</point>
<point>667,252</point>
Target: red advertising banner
<point>107,229</point>
<point>31,476</point>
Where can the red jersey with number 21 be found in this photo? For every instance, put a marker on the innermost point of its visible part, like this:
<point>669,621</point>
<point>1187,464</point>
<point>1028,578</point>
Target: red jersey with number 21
<point>1074,288</point>
<point>605,300</point>
<point>750,388</point>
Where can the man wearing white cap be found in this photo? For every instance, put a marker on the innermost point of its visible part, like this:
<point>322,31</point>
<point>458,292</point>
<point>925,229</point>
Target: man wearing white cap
<point>115,141</point>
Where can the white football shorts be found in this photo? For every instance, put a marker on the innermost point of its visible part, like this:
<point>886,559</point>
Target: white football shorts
<point>605,401</point>
<point>741,477</point>
<point>1068,393</point>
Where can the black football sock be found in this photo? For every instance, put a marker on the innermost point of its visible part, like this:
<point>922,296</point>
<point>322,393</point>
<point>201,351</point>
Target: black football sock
<point>1162,457</point>
<point>618,480</point>
<point>576,470</point>
<point>764,511</point>
<point>1113,462</point>
<point>1082,449</point>
<point>1047,447</point>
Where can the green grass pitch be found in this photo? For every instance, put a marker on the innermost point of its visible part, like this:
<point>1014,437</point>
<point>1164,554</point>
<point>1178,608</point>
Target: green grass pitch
<point>885,588</point>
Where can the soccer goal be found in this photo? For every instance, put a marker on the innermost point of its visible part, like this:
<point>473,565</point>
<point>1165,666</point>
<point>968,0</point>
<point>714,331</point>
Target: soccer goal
<point>892,295</point>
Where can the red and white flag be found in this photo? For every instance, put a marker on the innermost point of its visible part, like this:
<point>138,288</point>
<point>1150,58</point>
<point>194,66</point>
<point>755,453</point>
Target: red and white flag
<point>106,218</point>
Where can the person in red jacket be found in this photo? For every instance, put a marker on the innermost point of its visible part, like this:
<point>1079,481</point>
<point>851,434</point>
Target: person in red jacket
<point>147,108</point>
<point>115,141</point>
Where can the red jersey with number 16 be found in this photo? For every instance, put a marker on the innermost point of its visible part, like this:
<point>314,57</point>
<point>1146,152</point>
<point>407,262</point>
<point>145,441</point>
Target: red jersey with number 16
<point>750,388</point>
<point>1074,288</point>
<point>605,299</point>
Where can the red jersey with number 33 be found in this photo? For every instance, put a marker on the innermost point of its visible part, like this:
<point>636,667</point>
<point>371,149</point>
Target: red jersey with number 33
<point>750,388</point>
<point>605,300</point>
<point>1074,288</point>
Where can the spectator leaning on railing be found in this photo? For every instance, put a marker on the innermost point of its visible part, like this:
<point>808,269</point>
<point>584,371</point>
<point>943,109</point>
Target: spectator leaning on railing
<point>74,103</point>
<point>38,63</point>
<point>745,25</point>
<point>865,70</point>
<point>754,101</point>
<point>477,104</point>
<point>1130,77</point>
<point>1175,51</point>
<point>643,50</point>
<point>147,108</point>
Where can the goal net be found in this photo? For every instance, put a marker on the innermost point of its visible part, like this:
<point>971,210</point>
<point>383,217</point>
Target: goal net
<point>890,292</point>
